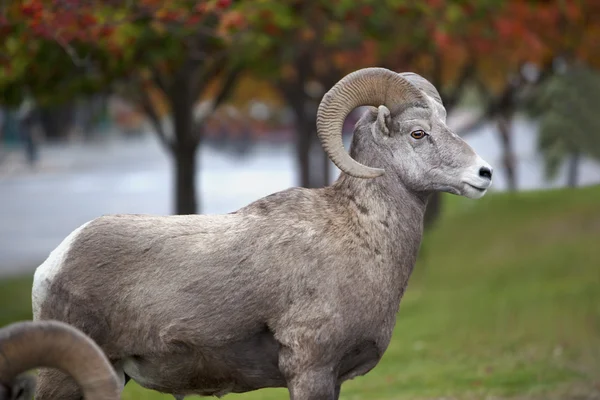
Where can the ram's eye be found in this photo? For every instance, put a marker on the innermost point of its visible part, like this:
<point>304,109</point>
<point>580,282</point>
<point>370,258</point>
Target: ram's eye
<point>420,134</point>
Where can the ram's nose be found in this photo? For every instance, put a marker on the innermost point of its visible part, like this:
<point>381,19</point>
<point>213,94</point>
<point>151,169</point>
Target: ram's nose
<point>486,172</point>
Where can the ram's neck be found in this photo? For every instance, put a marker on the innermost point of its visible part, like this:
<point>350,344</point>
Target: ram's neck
<point>391,217</point>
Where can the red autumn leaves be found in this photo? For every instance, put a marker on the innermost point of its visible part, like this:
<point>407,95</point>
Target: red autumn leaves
<point>64,21</point>
<point>79,20</point>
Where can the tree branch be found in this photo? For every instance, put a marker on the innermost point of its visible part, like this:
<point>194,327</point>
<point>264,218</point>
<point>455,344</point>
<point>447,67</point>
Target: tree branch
<point>150,111</point>
<point>224,92</point>
<point>473,125</point>
<point>452,98</point>
<point>228,85</point>
<point>197,52</point>
<point>506,101</point>
<point>202,78</point>
<point>495,106</point>
<point>72,53</point>
<point>291,93</point>
<point>159,81</point>
<point>436,75</point>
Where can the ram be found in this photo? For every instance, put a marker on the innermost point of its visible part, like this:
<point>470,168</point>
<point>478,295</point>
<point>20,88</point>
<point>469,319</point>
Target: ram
<point>26,345</point>
<point>299,289</point>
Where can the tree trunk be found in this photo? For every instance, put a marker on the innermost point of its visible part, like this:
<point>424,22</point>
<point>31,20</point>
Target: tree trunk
<point>309,154</point>
<point>293,95</point>
<point>57,121</point>
<point>184,149</point>
<point>573,169</point>
<point>508,156</point>
<point>313,164</point>
<point>303,154</point>
<point>326,167</point>
<point>318,176</point>
<point>184,160</point>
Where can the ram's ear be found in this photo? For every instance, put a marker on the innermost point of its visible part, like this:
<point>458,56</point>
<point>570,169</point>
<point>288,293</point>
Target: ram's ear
<point>383,125</point>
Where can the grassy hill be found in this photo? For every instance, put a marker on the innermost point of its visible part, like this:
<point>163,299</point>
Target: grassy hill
<point>504,302</point>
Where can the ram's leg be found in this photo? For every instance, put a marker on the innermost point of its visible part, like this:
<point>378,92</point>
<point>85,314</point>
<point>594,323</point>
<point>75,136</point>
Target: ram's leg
<point>123,377</point>
<point>308,377</point>
<point>313,385</point>
<point>53,384</point>
<point>338,389</point>
<point>310,368</point>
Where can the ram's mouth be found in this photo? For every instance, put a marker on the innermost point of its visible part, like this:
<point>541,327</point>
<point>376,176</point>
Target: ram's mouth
<point>472,191</point>
<point>477,187</point>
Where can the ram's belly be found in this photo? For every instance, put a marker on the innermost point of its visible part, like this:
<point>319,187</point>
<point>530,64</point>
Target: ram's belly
<point>239,367</point>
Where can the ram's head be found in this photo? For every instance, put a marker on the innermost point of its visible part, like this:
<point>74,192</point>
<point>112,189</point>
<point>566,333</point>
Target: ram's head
<point>405,136</point>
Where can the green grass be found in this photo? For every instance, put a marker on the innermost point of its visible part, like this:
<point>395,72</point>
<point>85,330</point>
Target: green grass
<point>504,301</point>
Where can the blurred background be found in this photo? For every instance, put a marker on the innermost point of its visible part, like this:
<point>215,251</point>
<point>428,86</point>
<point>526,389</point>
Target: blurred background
<point>179,107</point>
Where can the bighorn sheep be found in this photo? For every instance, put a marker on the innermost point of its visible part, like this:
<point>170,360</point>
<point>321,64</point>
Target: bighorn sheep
<point>27,344</point>
<point>299,289</point>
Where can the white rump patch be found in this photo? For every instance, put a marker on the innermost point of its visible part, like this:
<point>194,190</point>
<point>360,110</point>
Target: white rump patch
<point>45,273</point>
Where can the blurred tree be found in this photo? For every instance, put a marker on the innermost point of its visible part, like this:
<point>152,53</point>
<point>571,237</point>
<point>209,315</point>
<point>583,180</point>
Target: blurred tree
<point>183,54</point>
<point>293,45</point>
<point>304,48</point>
<point>177,52</point>
<point>519,47</point>
<point>171,54</point>
<point>436,40</point>
<point>569,123</point>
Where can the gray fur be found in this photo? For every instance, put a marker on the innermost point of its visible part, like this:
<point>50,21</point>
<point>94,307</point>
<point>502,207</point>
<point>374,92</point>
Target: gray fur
<point>299,289</point>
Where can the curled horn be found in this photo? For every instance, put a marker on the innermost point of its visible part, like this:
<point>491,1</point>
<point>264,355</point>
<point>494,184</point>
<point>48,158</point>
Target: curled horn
<point>31,344</point>
<point>365,87</point>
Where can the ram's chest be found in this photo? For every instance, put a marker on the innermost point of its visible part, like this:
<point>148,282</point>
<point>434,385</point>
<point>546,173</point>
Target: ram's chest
<point>370,339</point>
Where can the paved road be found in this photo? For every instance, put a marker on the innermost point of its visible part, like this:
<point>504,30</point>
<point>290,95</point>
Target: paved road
<point>78,183</point>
